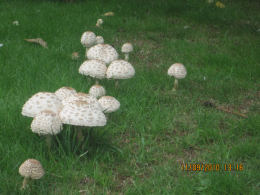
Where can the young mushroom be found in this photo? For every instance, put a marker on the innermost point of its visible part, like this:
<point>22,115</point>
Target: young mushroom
<point>99,23</point>
<point>126,49</point>
<point>97,91</point>
<point>31,169</point>
<point>99,40</point>
<point>109,104</point>
<point>178,71</point>
<point>88,39</point>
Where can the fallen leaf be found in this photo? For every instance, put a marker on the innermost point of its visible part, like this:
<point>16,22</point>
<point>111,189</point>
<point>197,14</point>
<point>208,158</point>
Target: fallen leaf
<point>220,5</point>
<point>38,41</point>
<point>109,14</point>
<point>75,55</point>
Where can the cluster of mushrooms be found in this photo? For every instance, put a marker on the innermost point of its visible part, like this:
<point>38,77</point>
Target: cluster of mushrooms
<point>67,106</point>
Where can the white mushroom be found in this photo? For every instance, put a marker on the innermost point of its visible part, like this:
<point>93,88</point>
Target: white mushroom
<point>99,40</point>
<point>99,22</point>
<point>46,123</point>
<point>64,92</point>
<point>97,91</point>
<point>31,169</point>
<point>41,101</point>
<point>103,52</point>
<point>126,49</point>
<point>109,104</point>
<point>178,71</point>
<point>88,39</point>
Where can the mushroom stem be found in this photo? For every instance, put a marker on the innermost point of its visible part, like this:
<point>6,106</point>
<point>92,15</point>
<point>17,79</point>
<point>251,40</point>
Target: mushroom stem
<point>116,84</point>
<point>175,85</point>
<point>87,48</point>
<point>25,181</point>
<point>48,141</point>
<point>80,135</point>
<point>97,82</point>
<point>126,56</point>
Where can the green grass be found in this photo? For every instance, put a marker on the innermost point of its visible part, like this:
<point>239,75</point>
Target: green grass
<point>143,145</point>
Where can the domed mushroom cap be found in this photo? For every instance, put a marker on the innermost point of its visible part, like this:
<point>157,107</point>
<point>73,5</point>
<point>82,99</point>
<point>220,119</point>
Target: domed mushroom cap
<point>41,101</point>
<point>64,92</point>
<point>177,70</point>
<point>103,52</point>
<point>88,39</point>
<point>31,168</point>
<point>109,104</point>
<point>99,40</point>
<point>46,123</point>
<point>97,91</point>
<point>83,97</point>
<point>93,68</point>
<point>120,69</point>
<point>127,48</point>
<point>81,113</point>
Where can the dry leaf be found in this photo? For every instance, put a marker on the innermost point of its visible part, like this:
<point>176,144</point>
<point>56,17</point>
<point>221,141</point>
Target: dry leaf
<point>109,14</point>
<point>75,55</point>
<point>39,41</point>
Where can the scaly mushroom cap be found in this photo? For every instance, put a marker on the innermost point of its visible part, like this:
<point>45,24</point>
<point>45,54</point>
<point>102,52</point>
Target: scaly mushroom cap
<point>88,39</point>
<point>177,70</point>
<point>127,48</point>
<point>83,97</point>
<point>64,92</point>
<point>81,113</point>
<point>41,101</point>
<point>93,68</point>
<point>120,69</point>
<point>99,40</point>
<point>103,52</point>
<point>46,123</point>
<point>97,91</point>
<point>109,104</point>
<point>31,168</point>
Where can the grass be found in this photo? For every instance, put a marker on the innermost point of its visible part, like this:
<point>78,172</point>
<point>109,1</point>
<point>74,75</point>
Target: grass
<point>143,145</point>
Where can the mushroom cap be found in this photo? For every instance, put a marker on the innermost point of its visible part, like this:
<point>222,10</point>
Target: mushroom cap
<point>120,69</point>
<point>31,168</point>
<point>88,39</point>
<point>97,91</point>
<point>99,40</point>
<point>46,123</point>
<point>83,97</point>
<point>103,52</point>
<point>93,68</point>
<point>81,113</point>
<point>64,92</point>
<point>127,48</point>
<point>41,101</point>
<point>177,70</point>
<point>99,22</point>
<point>109,104</point>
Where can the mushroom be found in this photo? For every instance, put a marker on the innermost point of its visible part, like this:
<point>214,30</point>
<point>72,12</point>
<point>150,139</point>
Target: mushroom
<point>109,104</point>
<point>93,68</point>
<point>126,49</point>
<point>46,123</point>
<point>97,91</point>
<point>88,39</point>
<point>31,169</point>
<point>41,101</point>
<point>80,113</point>
<point>120,69</point>
<point>64,92</point>
<point>99,22</point>
<point>99,40</point>
<point>103,52</point>
<point>178,71</point>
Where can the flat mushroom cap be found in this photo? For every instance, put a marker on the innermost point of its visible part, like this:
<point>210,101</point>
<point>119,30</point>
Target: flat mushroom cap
<point>46,123</point>
<point>80,113</point>
<point>127,48</point>
<point>39,102</point>
<point>103,52</point>
<point>64,92</point>
<point>89,99</point>
<point>93,68</point>
<point>109,104</point>
<point>88,39</point>
<point>177,70</point>
<point>97,91</point>
<point>31,168</point>
<point>120,69</point>
<point>99,40</point>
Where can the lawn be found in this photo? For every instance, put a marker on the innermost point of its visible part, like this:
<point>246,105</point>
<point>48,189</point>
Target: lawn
<point>148,142</point>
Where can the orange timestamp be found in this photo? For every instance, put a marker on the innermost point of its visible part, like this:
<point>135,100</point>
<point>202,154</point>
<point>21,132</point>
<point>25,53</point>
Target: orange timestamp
<point>211,167</point>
